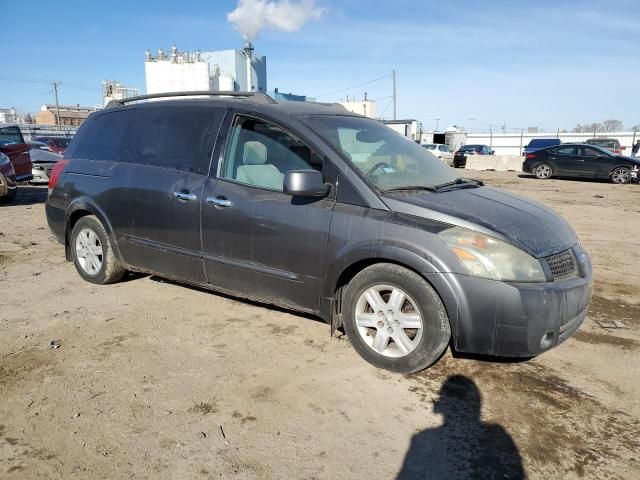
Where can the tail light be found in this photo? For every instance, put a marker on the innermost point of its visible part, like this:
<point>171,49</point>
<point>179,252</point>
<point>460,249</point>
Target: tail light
<point>530,155</point>
<point>55,173</point>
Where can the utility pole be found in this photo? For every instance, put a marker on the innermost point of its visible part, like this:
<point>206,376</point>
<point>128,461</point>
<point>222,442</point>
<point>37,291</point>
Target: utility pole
<point>393,74</point>
<point>55,91</point>
<point>437,123</point>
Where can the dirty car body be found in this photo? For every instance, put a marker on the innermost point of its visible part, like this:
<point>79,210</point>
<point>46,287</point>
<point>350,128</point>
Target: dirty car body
<point>243,213</point>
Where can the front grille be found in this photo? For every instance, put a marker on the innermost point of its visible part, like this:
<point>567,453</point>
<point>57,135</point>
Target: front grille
<point>563,265</point>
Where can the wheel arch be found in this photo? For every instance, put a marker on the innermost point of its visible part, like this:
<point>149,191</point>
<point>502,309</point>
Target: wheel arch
<point>338,276</point>
<point>82,207</point>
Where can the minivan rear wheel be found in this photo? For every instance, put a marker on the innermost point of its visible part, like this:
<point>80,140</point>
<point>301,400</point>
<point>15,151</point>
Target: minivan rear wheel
<point>543,171</point>
<point>394,319</point>
<point>92,252</point>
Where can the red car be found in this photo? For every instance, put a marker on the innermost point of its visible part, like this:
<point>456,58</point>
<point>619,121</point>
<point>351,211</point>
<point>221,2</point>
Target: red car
<point>55,144</point>
<point>15,163</point>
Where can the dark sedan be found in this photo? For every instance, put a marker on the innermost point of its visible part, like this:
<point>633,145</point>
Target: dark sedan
<point>581,160</point>
<point>460,157</point>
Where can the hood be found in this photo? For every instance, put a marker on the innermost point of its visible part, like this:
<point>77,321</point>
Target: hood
<point>528,225</point>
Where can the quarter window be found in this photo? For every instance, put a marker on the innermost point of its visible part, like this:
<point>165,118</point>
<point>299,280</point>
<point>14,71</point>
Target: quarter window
<point>102,136</point>
<point>260,154</point>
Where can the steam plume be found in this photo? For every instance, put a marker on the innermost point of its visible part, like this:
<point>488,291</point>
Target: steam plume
<point>252,16</point>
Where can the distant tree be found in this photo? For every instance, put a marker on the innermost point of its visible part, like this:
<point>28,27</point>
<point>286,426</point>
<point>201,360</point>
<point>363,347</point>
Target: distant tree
<point>579,128</point>
<point>612,125</point>
<point>593,127</point>
<point>635,128</point>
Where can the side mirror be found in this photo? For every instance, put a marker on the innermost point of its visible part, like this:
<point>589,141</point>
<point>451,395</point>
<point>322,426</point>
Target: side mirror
<point>305,183</point>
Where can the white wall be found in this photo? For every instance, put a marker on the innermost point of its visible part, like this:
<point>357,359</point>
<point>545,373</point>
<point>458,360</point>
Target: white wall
<point>165,76</point>
<point>513,143</point>
<point>368,108</point>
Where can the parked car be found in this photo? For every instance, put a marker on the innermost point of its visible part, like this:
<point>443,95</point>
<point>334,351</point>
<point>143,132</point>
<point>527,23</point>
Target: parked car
<point>539,143</point>
<point>441,151</point>
<point>612,144</point>
<point>581,160</point>
<point>460,157</point>
<point>320,210</point>
<point>56,144</point>
<point>43,161</point>
<point>8,185</point>
<point>12,144</point>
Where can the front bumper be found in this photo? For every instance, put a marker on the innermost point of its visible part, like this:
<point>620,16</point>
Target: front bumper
<point>516,319</point>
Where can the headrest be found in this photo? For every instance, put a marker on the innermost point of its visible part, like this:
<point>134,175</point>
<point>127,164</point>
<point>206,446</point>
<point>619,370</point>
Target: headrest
<point>255,153</point>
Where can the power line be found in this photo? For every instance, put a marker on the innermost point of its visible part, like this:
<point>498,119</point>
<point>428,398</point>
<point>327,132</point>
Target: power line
<point>37,80</point>
<point>354,86</point>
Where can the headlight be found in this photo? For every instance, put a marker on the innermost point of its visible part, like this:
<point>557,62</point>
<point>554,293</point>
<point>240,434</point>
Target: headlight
<point>487,257</point>
<point>4,160</point>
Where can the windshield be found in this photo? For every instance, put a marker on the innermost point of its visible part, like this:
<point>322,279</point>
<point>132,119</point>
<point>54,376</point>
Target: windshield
<point>430,146</point>
<point>470,148</point>
<point>386,159</point>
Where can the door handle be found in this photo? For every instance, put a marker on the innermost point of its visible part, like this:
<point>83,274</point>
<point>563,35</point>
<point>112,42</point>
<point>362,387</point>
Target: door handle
<point>219,201</point>
<point>579,159</point>
<point>184,196</point>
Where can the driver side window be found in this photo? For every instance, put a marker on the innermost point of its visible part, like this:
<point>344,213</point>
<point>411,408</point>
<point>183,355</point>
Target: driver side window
<point>260,154</point>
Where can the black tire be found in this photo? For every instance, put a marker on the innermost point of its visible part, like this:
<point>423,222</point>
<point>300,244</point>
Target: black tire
<point>110,270</point>
<point>436,331</point>
<point>620,175</point>
<point>10,196</point>
<point>543,171</point>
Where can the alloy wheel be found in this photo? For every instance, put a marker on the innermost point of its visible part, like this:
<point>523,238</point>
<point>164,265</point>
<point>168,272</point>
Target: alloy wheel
<point>620,175</point>
<point>389,321</point>
<point>543,171</point>
<point>89,251</point>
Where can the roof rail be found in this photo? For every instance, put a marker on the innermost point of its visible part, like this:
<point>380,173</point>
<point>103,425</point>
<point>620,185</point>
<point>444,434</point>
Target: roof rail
<point>257,96</point>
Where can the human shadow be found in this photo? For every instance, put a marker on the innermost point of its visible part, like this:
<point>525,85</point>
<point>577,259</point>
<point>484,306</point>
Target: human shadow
<point>464,447</point>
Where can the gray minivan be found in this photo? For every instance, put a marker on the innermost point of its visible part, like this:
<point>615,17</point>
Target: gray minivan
<point>311,207</point>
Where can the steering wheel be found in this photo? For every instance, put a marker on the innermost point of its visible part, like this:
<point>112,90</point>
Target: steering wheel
<point>376,167</point>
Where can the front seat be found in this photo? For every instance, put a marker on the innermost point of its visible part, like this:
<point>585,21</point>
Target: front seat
<point>255,170</point>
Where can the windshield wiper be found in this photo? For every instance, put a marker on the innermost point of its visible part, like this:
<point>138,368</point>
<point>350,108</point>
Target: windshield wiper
<point>458,183</point>
<point>411,187</point>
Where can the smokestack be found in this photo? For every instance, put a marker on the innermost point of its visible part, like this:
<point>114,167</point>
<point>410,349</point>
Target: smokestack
<point>248,52</point>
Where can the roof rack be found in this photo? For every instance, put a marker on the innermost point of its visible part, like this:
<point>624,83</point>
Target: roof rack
<point>260,97</point>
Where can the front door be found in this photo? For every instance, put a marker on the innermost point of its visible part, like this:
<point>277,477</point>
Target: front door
<point>167,152</point>
<point>594,162</point>
<point>256,239</point>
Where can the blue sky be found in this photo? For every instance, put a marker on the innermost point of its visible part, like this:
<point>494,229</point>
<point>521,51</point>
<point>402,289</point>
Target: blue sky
<point>541,63</point>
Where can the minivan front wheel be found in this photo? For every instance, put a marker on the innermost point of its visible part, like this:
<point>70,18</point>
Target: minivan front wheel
<point>543,171</point>
<point>92,253</point>
<point>395,319</point>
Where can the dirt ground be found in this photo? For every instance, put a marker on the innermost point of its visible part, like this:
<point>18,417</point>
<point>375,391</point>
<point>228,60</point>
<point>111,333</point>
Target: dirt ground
<point>151,379</point>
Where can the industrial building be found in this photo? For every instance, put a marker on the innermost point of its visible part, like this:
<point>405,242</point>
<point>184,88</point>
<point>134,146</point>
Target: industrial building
<point>365,107</point>
<point>69,115</point>
<point>409,128</point>
<point>112,90</point>
<point>224,70</point>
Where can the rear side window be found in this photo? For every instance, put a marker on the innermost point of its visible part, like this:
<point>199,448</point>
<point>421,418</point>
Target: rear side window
<point>101,137</point>
<point>564,151</point>
<point>172,137</point>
